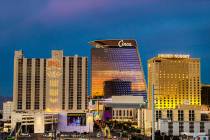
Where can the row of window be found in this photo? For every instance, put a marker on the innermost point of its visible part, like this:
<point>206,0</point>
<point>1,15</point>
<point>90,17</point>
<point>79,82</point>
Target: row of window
<point>180,115</point>
<point>122,113</point>
<point>181,127</point>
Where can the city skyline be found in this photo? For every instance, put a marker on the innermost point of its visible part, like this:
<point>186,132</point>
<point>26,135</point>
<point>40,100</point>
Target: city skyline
<point>159,27</point>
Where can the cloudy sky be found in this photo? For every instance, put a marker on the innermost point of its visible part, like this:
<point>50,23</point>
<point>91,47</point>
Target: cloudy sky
<point>159,26</point>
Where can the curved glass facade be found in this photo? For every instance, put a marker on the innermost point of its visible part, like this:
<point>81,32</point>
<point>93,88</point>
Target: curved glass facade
<point>111,61</point>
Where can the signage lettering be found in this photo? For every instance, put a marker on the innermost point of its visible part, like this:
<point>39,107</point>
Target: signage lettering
<point>121,43</point>
<point>54,63</point>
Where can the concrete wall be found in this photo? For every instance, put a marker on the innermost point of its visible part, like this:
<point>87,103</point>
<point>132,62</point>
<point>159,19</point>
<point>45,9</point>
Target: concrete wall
<point>128,99</point>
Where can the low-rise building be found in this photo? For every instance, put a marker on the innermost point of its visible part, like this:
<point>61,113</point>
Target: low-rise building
<point>125,108</point>
<point>178,128</point>
<point>7,110</point>
<point>186,118</point>
<point>40,122</point>
<point>118,108</point>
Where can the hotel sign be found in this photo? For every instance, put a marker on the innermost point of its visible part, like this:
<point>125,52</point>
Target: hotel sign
<point>121,43</point>
<point>173,56</point>
<point>54,75</point>
<point>53,63</point>
<point>114,43</point>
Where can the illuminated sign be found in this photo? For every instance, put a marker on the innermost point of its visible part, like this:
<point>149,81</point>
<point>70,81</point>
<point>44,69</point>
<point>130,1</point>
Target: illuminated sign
<point>54,74</point>
<point>121,43</point>
<point>56,53</point>
<point>76,114</point>
<point>76,119</point>
<point>53,63</point>
<point>173,56</point>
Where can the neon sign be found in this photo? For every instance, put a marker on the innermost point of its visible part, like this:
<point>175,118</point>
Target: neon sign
<point>53,63</point>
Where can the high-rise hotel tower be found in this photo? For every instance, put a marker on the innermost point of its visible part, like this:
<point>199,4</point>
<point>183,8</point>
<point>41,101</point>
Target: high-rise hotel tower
<point>116,68</point>
<point>52,85</point>
<point>176,80</point>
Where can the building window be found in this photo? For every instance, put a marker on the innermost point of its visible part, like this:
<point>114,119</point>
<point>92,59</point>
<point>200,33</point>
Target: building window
<point>79,83</point>
<point>44,86</point>
<point>37,84</point>
<point>86,84</point>
<point>64,85</point>
<point>170,114</point>
<point>28,84</point>
<point>191,127</point>
<point>204,117</point>
<point>170,128</point>
<point>120,113</point>
<point>158,115</point>
<point>71,83</point>
<point>20,83</point>
<point>181,127</point>
<point>191,115</point>
<point>202,127</point>
<point>180,115</point>
<point>131,113</point>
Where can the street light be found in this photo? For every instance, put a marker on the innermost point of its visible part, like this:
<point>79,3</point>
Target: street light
<point>153,114</point>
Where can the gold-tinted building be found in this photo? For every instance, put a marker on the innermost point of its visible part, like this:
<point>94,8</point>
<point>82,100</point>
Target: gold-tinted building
<point>176,80</point>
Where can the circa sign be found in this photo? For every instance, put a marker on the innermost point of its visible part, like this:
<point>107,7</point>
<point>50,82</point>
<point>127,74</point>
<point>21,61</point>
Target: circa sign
<point>121,43</point>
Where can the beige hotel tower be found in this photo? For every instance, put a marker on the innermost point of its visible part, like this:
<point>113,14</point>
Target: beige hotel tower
<point>54,84</point>
<point>176,80</point>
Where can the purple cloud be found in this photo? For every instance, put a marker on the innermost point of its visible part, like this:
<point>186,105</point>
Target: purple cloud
<point>60,10</point>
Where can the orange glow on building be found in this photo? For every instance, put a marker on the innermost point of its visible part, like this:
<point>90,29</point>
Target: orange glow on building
<point>116,59</point>
<point>176,79</point>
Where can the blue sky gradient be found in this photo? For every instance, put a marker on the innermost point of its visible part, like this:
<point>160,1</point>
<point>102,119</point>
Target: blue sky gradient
<point>159,26</point>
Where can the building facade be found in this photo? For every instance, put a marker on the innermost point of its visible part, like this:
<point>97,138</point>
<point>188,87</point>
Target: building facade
<point>39,122</point>
<point>205,95</point>
<point>186,118</point>
<point>7,110</point>
<point>115,63</point>
<point>192,129</point>
<point>51,84</point>
<point>176,81</point>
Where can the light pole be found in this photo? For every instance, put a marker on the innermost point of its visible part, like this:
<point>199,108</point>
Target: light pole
<point>153,114</point>
<point>153,98</point>
<point>163,135</point>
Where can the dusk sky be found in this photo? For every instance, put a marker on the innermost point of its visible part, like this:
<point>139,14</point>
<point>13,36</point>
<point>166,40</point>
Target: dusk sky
<point>164,26</point>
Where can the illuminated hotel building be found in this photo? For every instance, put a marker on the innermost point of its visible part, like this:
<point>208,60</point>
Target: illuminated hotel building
<point>52,85</point>
<point>176,80</point>
<point>116,63</point>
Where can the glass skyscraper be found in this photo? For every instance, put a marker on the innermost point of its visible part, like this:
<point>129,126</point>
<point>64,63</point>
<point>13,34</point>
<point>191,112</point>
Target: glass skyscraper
<point>117,62</point>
